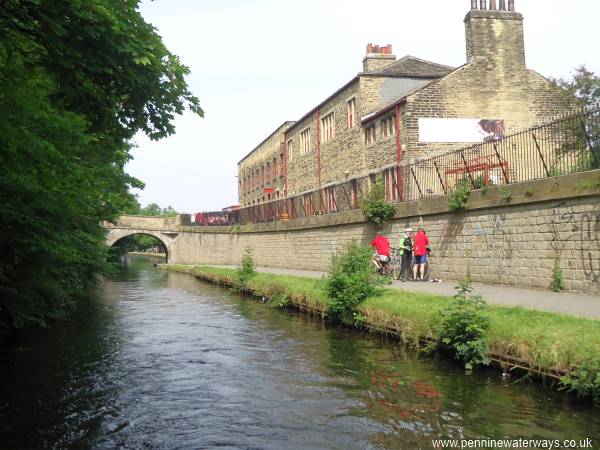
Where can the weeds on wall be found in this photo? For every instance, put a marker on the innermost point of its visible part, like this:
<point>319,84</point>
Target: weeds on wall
<point>374,207</point>
<point>350,281</point>
<point>505,194</point>
<point>459,197</point>
<point>558,283</point>
<point>464,326</point>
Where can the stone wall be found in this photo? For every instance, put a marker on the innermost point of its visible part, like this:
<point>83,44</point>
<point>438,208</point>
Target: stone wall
<point>514,239</point>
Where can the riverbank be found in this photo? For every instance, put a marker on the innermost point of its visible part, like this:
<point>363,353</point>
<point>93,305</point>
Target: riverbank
<point>153,255</point>
<point>563,349</point>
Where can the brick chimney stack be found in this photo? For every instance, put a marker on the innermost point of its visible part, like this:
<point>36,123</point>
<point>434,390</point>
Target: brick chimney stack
<point>378,58</point>
<point>495,35</point>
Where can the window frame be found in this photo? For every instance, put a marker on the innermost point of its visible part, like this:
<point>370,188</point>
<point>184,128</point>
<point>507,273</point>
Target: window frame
<point>351,112</point>
<point>328,127</point>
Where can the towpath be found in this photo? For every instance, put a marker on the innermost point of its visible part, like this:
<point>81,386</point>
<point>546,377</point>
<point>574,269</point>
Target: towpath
<point>581,305</point>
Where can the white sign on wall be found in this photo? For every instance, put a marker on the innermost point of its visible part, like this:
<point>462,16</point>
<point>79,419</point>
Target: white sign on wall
<point>460,130</point>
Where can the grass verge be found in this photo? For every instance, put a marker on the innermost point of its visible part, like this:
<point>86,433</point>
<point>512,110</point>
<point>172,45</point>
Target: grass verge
<point>548,343</point>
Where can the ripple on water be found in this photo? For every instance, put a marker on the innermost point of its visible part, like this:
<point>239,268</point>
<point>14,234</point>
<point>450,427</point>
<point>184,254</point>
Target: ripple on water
<point>163,361</point>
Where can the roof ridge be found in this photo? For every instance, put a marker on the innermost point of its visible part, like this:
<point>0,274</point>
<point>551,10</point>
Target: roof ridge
<point>423,61</point>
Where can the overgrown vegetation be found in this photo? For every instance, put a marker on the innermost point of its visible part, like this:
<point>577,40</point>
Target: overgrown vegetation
<point>584,379</point>
<point>557,283</point>
<point>350,281</point>
<point>459,197</point>
<point>79,78</point>
<point>374,207</point>
<point>548,342</point>
<point>464,327</point>
<point>246,270</point>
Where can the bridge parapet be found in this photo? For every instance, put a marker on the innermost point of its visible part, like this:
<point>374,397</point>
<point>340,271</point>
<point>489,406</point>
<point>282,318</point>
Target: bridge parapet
<point>150,222</point>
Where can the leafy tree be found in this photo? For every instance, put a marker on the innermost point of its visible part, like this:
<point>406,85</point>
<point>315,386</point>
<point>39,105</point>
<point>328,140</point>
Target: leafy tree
<point>583,90</point>
<point>153,209</point>
<point>78,78</point>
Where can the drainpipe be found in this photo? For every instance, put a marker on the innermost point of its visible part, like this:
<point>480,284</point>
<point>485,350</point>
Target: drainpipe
<point>398,153</point>
<point>319,152</point>
<point>284,162</point>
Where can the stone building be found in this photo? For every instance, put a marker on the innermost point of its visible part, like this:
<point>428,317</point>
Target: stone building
<point>397,112</point>
<point>261,172</point>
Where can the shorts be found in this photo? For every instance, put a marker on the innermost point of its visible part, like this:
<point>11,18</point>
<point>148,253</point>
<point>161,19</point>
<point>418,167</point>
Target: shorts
<point>420,259</point>
<point>384,259</point>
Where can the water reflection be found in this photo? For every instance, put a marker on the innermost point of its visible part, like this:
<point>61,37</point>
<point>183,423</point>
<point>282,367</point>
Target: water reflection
<point>161,360</point>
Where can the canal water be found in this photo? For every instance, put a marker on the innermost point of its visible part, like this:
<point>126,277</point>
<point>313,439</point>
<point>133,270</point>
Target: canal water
<point>161,360</point>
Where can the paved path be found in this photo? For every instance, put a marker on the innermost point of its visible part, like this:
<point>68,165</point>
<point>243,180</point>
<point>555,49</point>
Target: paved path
<point>565,303</point>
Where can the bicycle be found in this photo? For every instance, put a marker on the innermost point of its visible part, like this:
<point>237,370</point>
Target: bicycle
<point>378,267</point>
<point>395,264</point>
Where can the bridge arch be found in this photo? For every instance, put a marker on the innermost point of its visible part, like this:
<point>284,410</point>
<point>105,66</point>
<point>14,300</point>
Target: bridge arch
<point>116,234</point>
<point>165,229</point>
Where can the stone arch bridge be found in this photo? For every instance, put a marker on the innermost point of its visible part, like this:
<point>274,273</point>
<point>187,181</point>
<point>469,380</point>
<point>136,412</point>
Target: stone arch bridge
<point>165,229</point>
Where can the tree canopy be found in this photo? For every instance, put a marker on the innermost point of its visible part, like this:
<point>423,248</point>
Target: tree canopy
<point>78,79</point>
<point>583,87</point>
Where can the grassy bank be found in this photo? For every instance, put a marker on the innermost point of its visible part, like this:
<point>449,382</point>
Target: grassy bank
<point>548,343</point>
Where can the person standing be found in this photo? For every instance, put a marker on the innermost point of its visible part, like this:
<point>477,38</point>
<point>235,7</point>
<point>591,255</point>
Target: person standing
<point>406,253</point>
<point>420,246</point>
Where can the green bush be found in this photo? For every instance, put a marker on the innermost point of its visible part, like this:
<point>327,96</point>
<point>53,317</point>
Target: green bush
<point>374,207</point>
<point>350,281</point>
<point>459,196</point>
<point>464,327</point>
<point>246,269</point>
<point>558,283</point>
<point>585,380</point>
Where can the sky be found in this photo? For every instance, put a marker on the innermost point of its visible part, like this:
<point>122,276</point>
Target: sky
<point>257,63</point>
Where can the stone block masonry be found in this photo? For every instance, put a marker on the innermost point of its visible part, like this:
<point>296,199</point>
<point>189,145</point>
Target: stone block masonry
<point>515,241</point>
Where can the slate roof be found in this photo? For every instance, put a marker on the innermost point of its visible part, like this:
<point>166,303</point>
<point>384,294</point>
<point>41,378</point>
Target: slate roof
<point>409,66</point>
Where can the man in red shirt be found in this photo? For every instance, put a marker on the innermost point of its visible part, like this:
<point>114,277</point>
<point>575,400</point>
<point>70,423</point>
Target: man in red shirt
<point>420,245</point>
<point>382,258</point>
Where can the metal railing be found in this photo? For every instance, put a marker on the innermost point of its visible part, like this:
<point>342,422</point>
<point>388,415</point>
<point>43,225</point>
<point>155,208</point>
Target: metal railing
<point>567,145</point>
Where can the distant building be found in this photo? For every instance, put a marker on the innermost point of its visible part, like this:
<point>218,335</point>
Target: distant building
<point>396,112</point>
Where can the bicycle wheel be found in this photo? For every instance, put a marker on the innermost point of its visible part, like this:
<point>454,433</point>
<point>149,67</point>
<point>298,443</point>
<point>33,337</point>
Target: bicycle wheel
<point>397,265</point>
<point>426,271</point>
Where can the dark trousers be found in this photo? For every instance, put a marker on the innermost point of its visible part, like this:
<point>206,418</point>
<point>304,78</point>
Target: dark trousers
<point>405,270</point>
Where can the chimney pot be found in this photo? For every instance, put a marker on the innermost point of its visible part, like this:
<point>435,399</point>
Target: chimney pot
<point>473,4</point>
<point>502,5</point>
<point>493,5</point>
<point>483,5</point>
<point>378,57</point>
<point>511,5</point>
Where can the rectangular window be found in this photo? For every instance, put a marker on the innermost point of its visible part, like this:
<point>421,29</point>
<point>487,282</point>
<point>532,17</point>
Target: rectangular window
<point>274,169</point>
<point>281,171</point>
<point>290,150</point>
<point>268,174</point>
<point>387,126</point>
<point>305,141</point>
<point>351,112</point>
<point>370,134</point>
<point>327,127</point>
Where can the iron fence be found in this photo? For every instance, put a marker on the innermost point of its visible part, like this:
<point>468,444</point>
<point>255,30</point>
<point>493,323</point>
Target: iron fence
<point>567,145</point>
